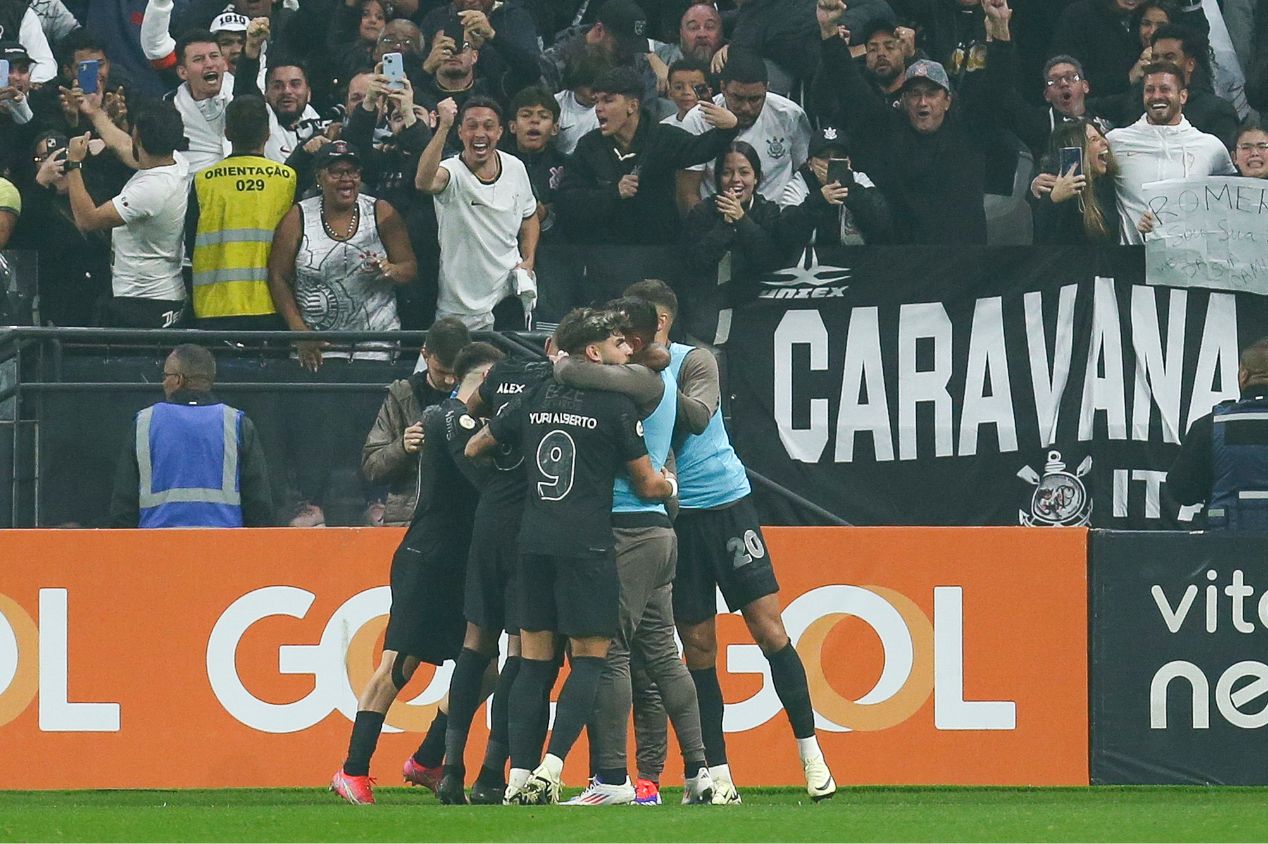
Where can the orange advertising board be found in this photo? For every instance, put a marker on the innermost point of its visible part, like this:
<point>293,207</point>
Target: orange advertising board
<point>233,658</point>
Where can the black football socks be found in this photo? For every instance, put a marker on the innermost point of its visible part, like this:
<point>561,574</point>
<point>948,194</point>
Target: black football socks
<point>789,676</point>
<point>497,750</point>
<point>432,751</point>
<point>365,737</point>
<point>709,695</point>
<point>576,701</point>
<point>526,718</point>
<point>464,699</point>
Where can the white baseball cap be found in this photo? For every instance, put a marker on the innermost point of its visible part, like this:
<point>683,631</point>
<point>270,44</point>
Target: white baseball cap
<point>230,22</point>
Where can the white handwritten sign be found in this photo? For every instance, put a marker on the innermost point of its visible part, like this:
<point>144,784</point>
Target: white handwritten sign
<point>1210,232</point>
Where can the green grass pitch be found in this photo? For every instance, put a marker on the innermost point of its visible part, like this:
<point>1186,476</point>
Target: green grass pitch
<point>857,814</point>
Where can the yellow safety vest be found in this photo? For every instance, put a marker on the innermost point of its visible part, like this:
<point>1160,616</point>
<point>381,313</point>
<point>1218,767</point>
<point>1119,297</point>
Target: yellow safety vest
<point>240,202</point>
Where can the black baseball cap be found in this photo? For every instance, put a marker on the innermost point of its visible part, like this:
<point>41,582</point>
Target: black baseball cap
<point>627,22</point>
<point>880,23</point>
<point>14,52</point>
<point>827,137</point>
<point>334,151</point>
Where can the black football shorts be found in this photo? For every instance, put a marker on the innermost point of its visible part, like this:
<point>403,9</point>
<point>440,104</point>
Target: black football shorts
<point>572,596</point>
<point>720,549</point>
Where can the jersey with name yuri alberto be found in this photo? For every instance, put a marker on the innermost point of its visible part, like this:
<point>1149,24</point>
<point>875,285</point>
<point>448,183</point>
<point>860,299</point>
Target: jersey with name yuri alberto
<point>574,442</point>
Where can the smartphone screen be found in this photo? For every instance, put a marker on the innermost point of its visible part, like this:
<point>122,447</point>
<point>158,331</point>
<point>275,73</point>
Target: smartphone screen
<point>1071,157</point>
<point>702,92</point>
<point>87,76</point>
<point>394,69</point>
<point>454,29</point>
<point>4,73</point>
<point>839,171</point>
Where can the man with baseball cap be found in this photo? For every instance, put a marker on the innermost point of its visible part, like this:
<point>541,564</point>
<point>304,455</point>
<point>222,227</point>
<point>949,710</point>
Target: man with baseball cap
<point>13,92</point>
<point>922,155</point>
<point>230,30</point>
<point>620,31</point>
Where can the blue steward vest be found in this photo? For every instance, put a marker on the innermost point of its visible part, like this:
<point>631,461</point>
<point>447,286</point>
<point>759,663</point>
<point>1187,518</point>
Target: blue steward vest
<point>658,433</point>
<point>709,472</point>
<point>1239,466</point>
<point>187,456</point>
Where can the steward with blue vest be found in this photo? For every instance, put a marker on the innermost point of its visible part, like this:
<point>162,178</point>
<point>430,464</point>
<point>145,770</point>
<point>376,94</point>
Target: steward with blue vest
<point>721,548</point>
<point>1224,458</point>
<point>191,461</point>
<point>646,556</point>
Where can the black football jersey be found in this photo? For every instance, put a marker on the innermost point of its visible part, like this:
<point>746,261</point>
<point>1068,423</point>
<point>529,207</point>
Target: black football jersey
<point>574,442</point>
<point>502,498</point>
<point>447,481</point>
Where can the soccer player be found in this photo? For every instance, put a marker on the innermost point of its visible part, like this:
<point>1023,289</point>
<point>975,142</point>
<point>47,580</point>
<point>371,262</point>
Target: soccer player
<point>646,550</point>
<point>574,443</point>
<point>425,624</point>
<point>489,602</point>
<point>720,546</point>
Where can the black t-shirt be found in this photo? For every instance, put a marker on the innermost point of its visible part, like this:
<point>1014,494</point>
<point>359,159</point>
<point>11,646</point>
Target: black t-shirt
<point>447,481</point>
<point>574,442</point>
<point>502,498</point>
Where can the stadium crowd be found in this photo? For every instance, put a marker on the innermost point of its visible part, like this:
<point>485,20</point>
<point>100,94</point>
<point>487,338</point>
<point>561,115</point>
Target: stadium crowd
<point>388,163</point>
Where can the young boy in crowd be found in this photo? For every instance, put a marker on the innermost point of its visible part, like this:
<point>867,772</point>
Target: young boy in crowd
<point>534,125</point>
<point>685,77</point>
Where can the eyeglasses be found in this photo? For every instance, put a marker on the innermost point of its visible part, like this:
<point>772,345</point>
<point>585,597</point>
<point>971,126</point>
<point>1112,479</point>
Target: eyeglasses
<point>1069,78</point>
<point>1261,146</point>
<point>393,41</point>
<point>167,374</point>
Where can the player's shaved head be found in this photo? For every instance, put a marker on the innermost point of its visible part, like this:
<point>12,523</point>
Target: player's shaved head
<point>1254,363</point>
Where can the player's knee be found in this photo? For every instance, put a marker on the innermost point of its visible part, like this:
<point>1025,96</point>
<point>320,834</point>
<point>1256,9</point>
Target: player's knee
<point>402,669</point>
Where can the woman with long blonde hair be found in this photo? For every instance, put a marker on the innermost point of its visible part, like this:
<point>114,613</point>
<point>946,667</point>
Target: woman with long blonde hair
<point>1082,205</point>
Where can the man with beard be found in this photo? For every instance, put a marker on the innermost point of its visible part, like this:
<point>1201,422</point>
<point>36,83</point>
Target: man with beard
<point>775,126</point>
<point>699,36</point>
<point>286,91</point>
<point>1161,145</point>
<point>619,32</point>
<point>486,212</point>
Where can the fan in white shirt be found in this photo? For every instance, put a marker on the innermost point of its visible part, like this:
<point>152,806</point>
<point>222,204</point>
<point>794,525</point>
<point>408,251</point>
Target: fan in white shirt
<point>1161,145</point>
<point>485,209</point>
<point>201,98</point>
<point>775,126</point>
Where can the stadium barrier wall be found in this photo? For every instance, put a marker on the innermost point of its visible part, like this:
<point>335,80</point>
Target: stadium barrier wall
<point>231,658</point>
<point>1179,631</point>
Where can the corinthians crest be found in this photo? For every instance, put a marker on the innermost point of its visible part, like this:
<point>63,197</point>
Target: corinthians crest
<point>1060,498</point>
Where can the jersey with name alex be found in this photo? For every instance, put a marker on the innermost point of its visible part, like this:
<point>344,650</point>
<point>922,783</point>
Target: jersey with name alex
<point>574,443</point>
<point>447,481</point>
<point>502,498</point>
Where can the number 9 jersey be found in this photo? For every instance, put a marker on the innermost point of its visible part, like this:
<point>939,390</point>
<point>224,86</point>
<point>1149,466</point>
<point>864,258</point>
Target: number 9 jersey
<point>574,443</point>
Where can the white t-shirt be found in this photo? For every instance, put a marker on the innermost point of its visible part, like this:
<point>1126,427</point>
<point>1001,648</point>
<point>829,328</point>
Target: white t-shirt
<point>781,136</point>
<point>1147,153</point>
<point>148,247</point>
<point>574,121</point>
<point>204,125</point>
<point>282,141</point>
<point>479,234</point>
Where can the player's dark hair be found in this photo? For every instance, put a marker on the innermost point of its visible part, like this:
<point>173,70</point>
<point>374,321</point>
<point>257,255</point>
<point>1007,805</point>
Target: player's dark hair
<point>193,36</point>
<point>1193,43</point>
<point>639,316</point>
<point>1166,67</point>
<point>475,355</point>
<point>247,121</point>
<point>159,127</point>
<point>744,67</point>
<point>583,326</point>
<point>688,66</point>
<point>285,61</point>
<point>446,338</point>
<point>481,102</point>
<point>533,96</point>
<point>196,364</point>
<point>655,291</point>
<point>583,70</point>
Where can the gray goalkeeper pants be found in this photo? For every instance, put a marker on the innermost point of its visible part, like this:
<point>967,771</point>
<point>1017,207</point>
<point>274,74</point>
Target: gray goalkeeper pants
<point>646,559</point>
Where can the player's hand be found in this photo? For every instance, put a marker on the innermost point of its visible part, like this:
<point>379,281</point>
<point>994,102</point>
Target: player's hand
<point>835,193</point>
<point>77,149</point>
<point>1147,223</point>
<point>1042,185</point>
<point>442,47</point>
<point>476,27</point>
<point>717,116</point>
<point>51,169</point>
<point>446,114</point>
<point>1068,185</point>
<point>627,188</point>
<point>309,352</point>
<point>828,14</point>
<point>412,440</point>
<point>257,34</point>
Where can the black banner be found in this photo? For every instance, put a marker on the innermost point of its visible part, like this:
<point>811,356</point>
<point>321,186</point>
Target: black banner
<point>1179,635</point>
<point>980,386</point>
